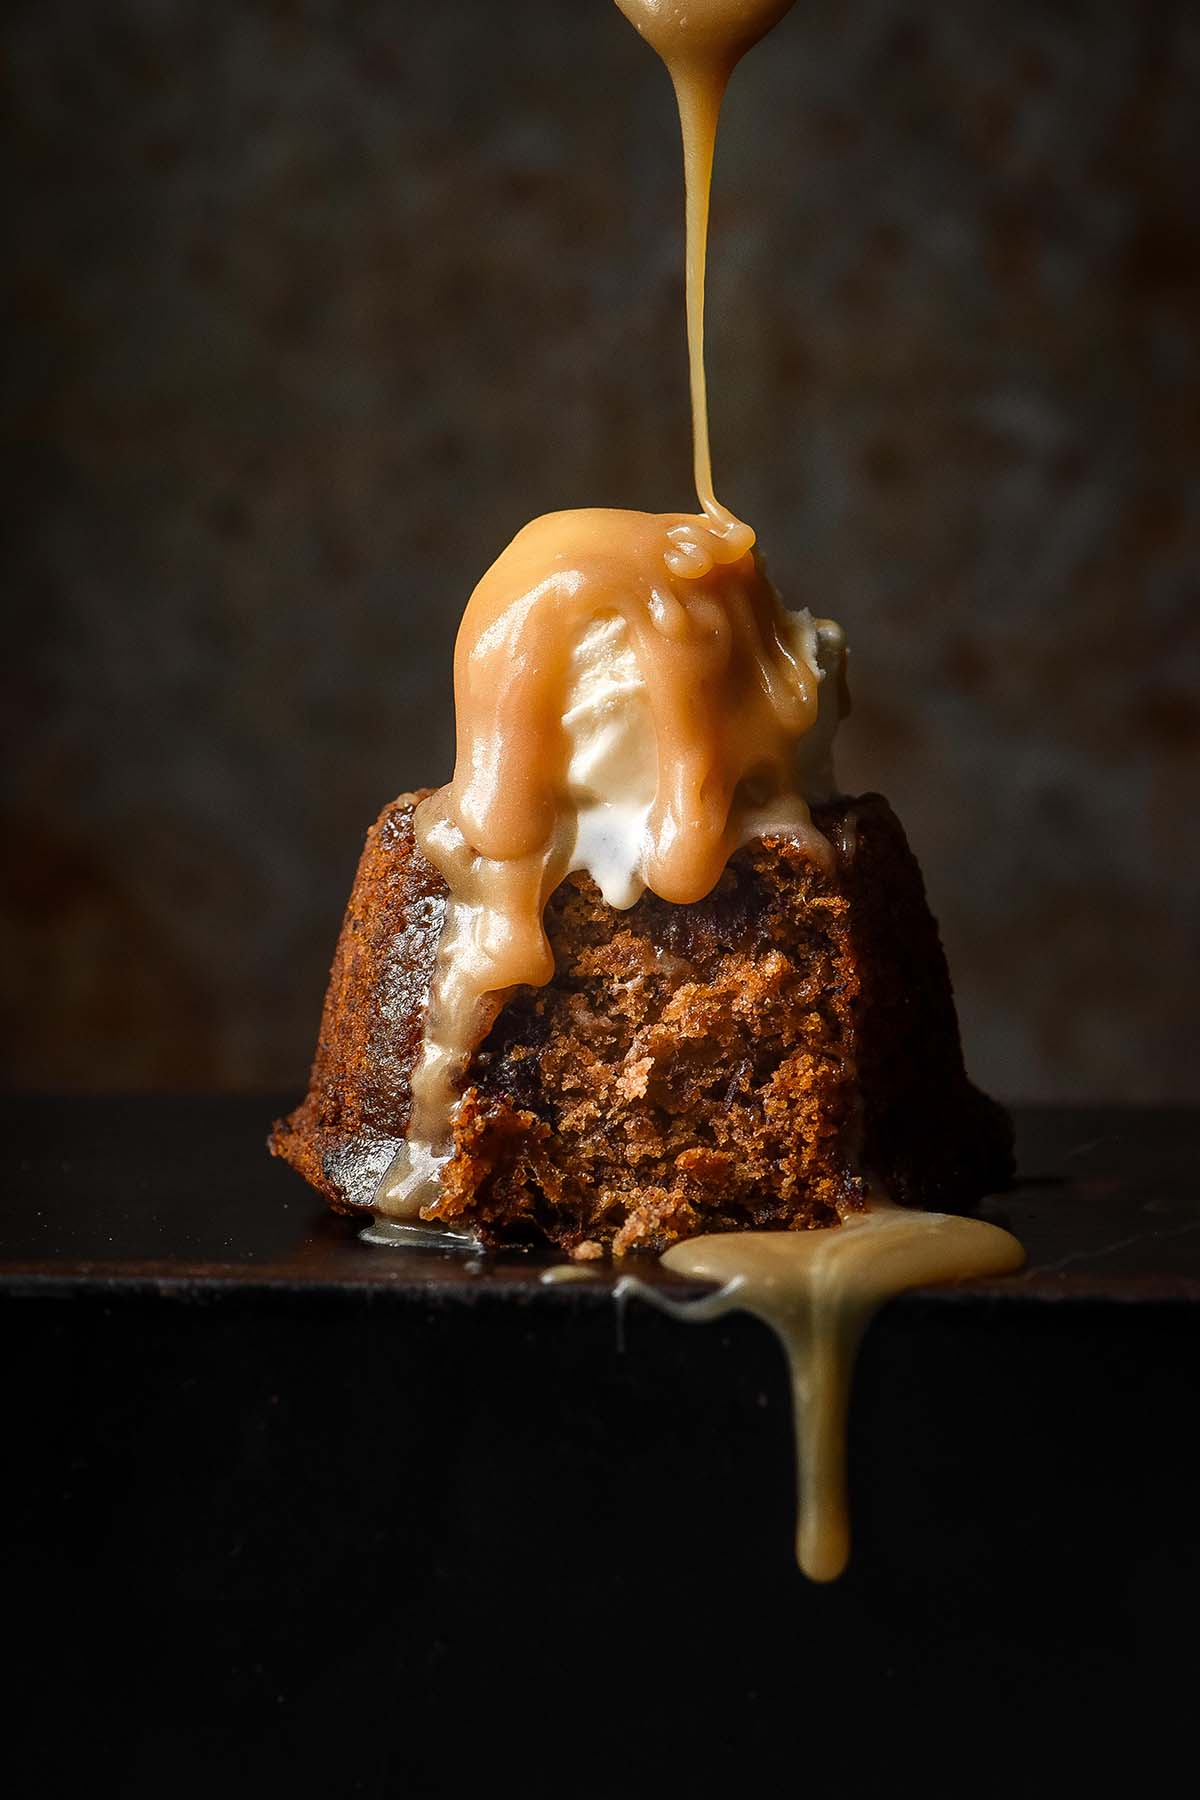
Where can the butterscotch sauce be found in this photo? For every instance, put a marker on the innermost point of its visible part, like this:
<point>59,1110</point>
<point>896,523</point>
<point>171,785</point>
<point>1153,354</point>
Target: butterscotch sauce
<point>730,690</point>
<point>818,1290</point>
<point>701,42</point>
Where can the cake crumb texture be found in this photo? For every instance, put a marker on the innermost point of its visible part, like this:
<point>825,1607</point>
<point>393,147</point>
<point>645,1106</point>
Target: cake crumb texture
<point>748,1061</point>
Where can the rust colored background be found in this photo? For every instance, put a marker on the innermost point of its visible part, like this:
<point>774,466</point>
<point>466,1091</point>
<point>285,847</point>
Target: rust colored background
<point>313,304</point>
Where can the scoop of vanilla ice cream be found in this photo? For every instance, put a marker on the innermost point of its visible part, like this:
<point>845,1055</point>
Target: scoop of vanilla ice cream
<point>822,645</point>
<point>612,771</point>
<point>613,768</point>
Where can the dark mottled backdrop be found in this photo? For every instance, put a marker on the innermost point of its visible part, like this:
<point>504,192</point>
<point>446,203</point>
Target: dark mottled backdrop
<point>317,300</point>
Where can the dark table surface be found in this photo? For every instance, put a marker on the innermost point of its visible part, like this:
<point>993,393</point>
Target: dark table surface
<point>179,1191</point>
<point>288,1513</point>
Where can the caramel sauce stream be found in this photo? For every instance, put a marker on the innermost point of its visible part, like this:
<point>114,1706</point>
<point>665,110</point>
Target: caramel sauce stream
<point>701,42</point>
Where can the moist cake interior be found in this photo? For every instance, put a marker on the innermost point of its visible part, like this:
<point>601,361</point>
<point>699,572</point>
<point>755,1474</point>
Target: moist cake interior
<point>751,1060</point>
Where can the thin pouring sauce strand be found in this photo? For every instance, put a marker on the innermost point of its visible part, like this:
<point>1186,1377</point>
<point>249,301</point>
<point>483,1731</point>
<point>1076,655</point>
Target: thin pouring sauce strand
<point>699,94</point>
<point>701,42</point>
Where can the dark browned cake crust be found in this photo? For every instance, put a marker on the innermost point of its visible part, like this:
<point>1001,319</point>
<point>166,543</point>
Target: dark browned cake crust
<point>741,1062</point>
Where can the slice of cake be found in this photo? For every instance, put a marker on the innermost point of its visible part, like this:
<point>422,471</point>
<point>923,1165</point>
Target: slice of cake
<point>752,1059</point>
